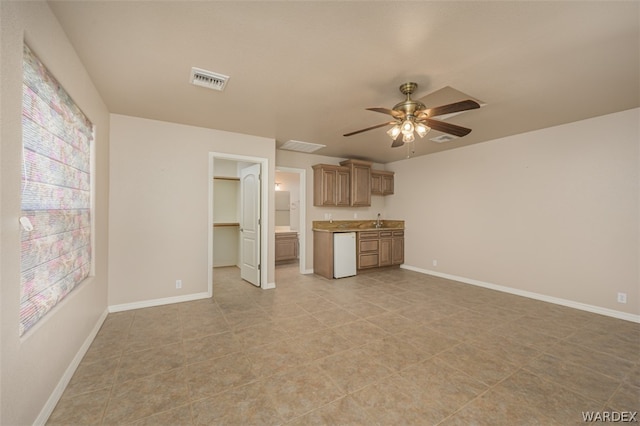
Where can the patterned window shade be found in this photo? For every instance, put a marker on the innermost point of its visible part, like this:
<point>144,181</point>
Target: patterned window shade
<point>56,193</point>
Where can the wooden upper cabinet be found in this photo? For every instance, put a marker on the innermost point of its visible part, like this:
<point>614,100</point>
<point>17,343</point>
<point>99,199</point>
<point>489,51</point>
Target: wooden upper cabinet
<point>381,182</point>
<point>350,184</point>
<point>331,185</point>
<point>360,182</point>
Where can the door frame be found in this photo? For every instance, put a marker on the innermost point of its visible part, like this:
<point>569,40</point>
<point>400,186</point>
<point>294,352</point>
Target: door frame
<point>302,211</point>
<point>264,212</point>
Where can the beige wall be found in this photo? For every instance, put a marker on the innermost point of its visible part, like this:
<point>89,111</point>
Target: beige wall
<point>33,366</point>
<point>159,206</point>
<point>304,161</point>
<point>552,212</point>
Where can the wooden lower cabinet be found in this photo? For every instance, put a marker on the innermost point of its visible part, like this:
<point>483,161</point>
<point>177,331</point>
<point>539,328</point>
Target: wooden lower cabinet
<point>380,248</point>
<point>286,246</point>
<point>397,248</point>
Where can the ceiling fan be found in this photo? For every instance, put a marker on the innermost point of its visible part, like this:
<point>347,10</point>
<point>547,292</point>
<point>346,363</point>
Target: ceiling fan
<point>411,116</point>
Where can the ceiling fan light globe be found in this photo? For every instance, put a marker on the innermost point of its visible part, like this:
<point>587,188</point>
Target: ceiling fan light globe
<point>422,130</point>
<point>407,127</point>
<point>408,137</point>
<point>394,131</point>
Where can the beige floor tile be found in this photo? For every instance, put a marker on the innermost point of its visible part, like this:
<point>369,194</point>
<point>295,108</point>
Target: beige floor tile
<point>575,377</point>
<point>242,319</point>
<point>429,341</point>
<point>316,304</point>
<point>276,357</point>
<point>524,336</point>
<point>626,398</point>
<point>334,317</point>
<point>482,366</point>
<point>503,347</point>
<point>343,412</point>
<point>354,369</point>
<point>180,416</point>
<point>135,365</point>
<point>260,334</point>
<point>149,336</point>
<point>211,346</point>
<point>442,388</point>
<point>194,326</point>
<point>136,399</point>
<point>84,409</point>
<point>217,375</point>
<point>603,363</point>
<point>394,353</point>
<point>321,344</point>
<point>545,400</point>
<point>300,391</point>
<point>394,401</point>
<point>360,332</point>
<point>304,324</point>
<point>363,309</point>
<point>93,376</point>
<point>245,405</point>
<point>393,323</point>
<point>623,343</point>
<point>391,347</point>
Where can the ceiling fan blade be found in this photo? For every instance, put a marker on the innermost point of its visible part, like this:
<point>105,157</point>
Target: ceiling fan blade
<point>444,127</point>
<point>396,114</point>
<point>369,128</point>
<point>449,108</point>
<point>397,141</point>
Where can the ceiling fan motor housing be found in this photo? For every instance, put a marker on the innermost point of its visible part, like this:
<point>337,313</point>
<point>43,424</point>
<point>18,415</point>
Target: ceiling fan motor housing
<point>409,106</point>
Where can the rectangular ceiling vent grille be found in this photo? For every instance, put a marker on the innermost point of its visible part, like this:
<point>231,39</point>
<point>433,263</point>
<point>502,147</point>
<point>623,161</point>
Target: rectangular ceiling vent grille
<point>443,138</point>
<point>299,146</point>
<point>208,79</point>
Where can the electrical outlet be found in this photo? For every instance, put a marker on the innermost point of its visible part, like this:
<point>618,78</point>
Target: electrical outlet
<point>178,283</point>
<point>435,262</point>
<point>622,297</point>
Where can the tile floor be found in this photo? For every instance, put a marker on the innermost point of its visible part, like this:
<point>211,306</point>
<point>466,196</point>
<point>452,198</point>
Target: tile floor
<point>383,348</point>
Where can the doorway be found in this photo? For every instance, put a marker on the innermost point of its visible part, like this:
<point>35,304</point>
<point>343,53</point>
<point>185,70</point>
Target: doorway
<point>296,178</point>
<point>238,216</point>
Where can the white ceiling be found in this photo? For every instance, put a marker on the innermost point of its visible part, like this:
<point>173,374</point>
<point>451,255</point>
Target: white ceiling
<point>307,70</point>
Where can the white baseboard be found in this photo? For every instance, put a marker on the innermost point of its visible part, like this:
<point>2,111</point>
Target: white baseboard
<point>268,286</point>
<point>308,271</point>
<point>531,295</point>
<point>55,396</point>
<point>158,302</point>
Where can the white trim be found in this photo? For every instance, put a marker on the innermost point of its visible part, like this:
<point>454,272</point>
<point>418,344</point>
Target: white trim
<point>157,302</point>
<point>55,396</point>
<point>302,212</point>
<point>531,295</point>
<point>307,271</point>
<point>269,286</point>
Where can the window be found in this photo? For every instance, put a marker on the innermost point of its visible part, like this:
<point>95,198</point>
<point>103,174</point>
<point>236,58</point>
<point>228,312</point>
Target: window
<point>56,193</point>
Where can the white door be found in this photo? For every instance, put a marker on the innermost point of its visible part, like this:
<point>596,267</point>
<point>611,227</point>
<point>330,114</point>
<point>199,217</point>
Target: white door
<point>250,224</point>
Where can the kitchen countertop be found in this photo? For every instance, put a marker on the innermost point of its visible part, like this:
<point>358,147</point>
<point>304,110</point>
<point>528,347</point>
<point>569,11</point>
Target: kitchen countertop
<point>357,225</point>
<point>285,229</point>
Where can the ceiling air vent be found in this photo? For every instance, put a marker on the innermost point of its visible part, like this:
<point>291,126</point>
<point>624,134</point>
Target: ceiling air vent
<point>443,138</point>
<point>292,145</point>
<point>208,79</point>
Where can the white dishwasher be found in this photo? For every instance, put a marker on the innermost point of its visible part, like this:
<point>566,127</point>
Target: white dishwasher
<point>344,254</point>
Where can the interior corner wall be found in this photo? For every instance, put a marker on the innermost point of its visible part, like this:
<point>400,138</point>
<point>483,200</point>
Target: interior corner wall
<point>553,212</point>
<point>305,161</point>
<point>159,205</point>
<point>33,368</point>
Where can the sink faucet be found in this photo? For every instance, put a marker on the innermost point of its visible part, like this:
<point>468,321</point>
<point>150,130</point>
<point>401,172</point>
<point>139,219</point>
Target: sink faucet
<point>378,222</point>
